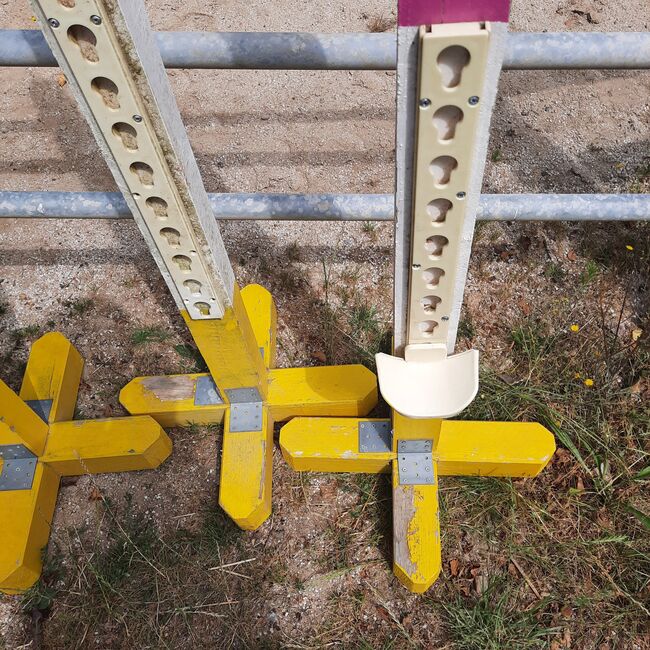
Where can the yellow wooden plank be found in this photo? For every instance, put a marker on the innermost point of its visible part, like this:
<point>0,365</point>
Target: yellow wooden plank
<point>416,533</point>
<point>169,400</point>
<point>26,516</point>
<point>329,445</point>
<point>246,474</point>
<point>324,390</point>
<point>21,420</point>
<point>53,372</point>
<point>321,391</point>
<point>111,445</point>
<point>262,314</point>
<point>229,348</point>
<point>493,448</point>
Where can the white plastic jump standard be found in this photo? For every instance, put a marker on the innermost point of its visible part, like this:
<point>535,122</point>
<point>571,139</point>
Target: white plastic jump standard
<point>458,70</point>
<point>114,67</point>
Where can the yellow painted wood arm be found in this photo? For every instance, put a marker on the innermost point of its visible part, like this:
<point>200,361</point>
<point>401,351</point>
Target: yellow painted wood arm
<point>416,533</point>
<point>22,424</point>
<point>53,372</point>
<point>493,448</point>
<point>246,473</point>
<point>229,348</point>
<point>260,307</point>
<point>329,445</point>
<point>26,516</point>
<point>112,445</point>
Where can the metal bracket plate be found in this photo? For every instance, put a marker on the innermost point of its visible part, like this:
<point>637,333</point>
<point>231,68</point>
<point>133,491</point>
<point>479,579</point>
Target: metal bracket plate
<point>375,436</point>
<point>19,465</point>
<point>206,392</point>
<point>245,409</point>
<point>42,407</point>
<point>415,462</point>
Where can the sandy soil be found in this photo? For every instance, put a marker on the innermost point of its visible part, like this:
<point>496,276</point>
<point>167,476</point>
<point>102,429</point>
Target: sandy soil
<point>289,132</point>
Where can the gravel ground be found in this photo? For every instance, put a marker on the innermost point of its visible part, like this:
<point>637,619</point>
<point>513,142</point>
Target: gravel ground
<point>289,131</point>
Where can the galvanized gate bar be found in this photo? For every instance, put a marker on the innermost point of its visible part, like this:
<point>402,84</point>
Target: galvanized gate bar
<point>350,51</point>
<point>333,207</point>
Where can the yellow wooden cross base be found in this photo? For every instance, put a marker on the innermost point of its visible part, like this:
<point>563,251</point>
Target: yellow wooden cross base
<point>40,442</point>
<point>240,353</point>
<point>456,448</point>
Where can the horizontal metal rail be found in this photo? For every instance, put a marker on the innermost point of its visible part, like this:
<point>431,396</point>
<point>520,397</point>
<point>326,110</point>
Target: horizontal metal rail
<point>350,51</point>
<point>334,207</point>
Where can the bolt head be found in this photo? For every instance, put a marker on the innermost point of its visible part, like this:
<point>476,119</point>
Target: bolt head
<point>96,20</point>
<point>425,103</point>
<point>445,318</point>
<point>53,22</point>
<point>137,118</point>
<point>461,195</point>
<point>473,100</point>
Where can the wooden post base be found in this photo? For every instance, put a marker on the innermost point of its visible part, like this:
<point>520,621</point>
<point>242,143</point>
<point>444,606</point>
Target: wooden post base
<point>40,443</point>
<point>457,448</point>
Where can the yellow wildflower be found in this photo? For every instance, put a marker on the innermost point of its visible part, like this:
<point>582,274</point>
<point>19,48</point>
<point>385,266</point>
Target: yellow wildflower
<point>577,375</point>
<point>630,248</point>
<point>575,328</point>
<point>589,383</point>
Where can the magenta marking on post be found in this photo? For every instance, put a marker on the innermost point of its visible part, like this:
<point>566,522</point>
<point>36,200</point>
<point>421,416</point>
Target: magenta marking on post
<point>432,12</point>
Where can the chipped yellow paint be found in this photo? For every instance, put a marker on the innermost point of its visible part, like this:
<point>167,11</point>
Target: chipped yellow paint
<point>493,448</point>
<point>416,534</point>
<point>24,425</point>
<point>53,372</point>
<point>262,314</point>
<point>416,525</point>
<point>246,473</point>
<point>329,445</point>
<point>64,448</point>
<point>326,390</point>
<point>234,358</point>
<point>229,348</point>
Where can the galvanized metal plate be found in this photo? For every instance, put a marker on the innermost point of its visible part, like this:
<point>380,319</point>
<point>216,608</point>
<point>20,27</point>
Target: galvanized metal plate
<point>414,446</point>
<point>375,436</point>
<point>19,465</point>
<point>42,407</point>
<point>245,409</point>
<point>206,392</point>
<point>415,462</point>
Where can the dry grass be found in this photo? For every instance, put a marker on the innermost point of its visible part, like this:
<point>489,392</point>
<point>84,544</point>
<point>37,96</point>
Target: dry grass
<point>559,561</point>
<point>379,23</point>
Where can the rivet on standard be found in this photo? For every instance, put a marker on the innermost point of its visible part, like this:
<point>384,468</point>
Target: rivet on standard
<point>137,118</point>
<point>473,100</point>
<point>425,103</point>
<point>96,20</point>
<point>53,22</point>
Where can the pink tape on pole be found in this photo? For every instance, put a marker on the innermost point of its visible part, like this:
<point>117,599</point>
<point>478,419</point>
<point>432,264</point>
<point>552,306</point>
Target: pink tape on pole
<point>432,12</point>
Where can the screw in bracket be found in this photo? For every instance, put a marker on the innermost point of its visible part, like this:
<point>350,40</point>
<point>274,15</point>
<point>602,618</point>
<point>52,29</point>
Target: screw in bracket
<point>54,23</point>
<point>425,103</point>
<point>96,20</point>
<point>473,100</point>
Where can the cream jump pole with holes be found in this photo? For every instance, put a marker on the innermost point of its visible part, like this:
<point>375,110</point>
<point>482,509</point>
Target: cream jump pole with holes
<point>448,63</point>
<point>447,79</point>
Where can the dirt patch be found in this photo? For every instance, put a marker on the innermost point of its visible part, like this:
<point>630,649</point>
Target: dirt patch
<point>133,556</point>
